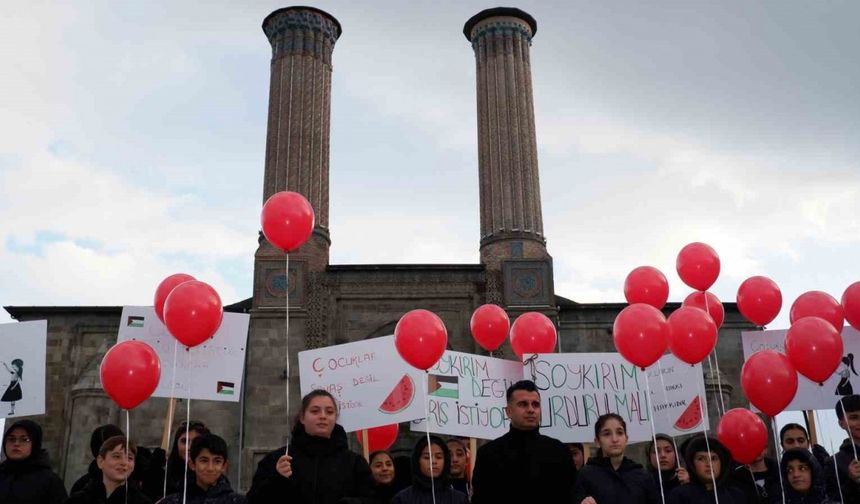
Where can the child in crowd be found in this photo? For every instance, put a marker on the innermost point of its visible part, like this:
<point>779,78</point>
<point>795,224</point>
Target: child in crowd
<point>794,435</point>
<point>709,464</point>
<point>173,466</point>
<point>382,469</point>
<point>101,434</point>
<point>611,477</point>
<point>426,460</point>
<point>577,452</point>
<point>665,460</point>
<point>115,461</point>
<point>803,478</point>
<point>847,467</point>
<point>208,461</point>
<point>459,464</point>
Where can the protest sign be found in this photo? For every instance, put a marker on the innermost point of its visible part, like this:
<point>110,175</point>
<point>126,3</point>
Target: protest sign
<point>23,347</point>
<point>467,395</point>
<point>211,371</point>
<point>577,388</point>
<point>810,395</point>
<point>373,385</point>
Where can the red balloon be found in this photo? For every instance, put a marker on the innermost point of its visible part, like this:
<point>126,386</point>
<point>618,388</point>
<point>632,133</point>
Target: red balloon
<point>164,289</point>
<point>714,306</point>
<point>814,347</point>
<point>698,265</point>
<point>533,332</point>
<point>641,334</point>
<point>818,304</point>
<point>769,381</point>
<point>648,285</point>
<point>288,220</point>
<point>193,312</point>
<point>851,305</point>
<point>379,438</point>
<point>420,338</point>
<point>692,334</point>
<point>759,300</point>
<point>490,325</point>
<point>743,434</point>
<point>130,372</point>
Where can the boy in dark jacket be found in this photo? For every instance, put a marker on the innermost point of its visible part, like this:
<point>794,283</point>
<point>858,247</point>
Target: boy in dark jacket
<point>708,463</point>
<point>101,434</point>
<point>845,460</point>
<point>208,463</point>
<point>115,461</point>
<point>26,476</point>
<point>759,480</point>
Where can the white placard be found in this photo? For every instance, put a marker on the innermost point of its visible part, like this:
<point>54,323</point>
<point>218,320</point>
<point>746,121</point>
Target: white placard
<point>373,385</point>
<point>810,395</point>
<point>23,347</point>
<point>467,395</point>
<point>576,388</point>
<point>212,369</point>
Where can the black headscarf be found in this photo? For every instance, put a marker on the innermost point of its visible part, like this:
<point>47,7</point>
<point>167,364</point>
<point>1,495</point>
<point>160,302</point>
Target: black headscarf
<point>34,432</point>
<point>418,479</point>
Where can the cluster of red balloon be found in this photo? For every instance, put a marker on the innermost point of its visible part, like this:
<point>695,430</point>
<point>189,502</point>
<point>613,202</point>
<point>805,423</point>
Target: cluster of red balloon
<point>532,332</point>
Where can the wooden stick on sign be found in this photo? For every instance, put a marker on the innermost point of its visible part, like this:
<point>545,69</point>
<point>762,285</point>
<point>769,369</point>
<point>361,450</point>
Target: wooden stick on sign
<point>365,445</point>
<point>473,455</point>
<point>168,421</point>
<point>813,435</point>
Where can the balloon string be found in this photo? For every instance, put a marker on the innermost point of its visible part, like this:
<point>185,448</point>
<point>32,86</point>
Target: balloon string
<point>717,390</point>
<point>187,429</point>
<point>654,435</point>
<point>668,419</point>
<point>776,451</point>
<point>287,337</point>
<point>427,427</point>
<point>706,422</point>
<point>719,380</point>
<point>127,437</point>
<point>835,467</point>
<point>170,423</point>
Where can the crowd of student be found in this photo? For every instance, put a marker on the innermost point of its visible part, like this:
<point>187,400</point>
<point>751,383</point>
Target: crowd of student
<point>520,466</point>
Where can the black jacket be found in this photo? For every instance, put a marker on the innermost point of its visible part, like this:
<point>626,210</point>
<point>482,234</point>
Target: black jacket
<point>95,493</point>
<point>30,481</point>
<point>743,479</point>
<point>695,492</point>
<point>817,494</point>
<point>220,493</point>
<point>523,466</point>
<point>842,458</point>
<point>630,484</point>
<point>93,474</point>
<point>420,491</point>
<point>669,479</point>
<point>324,472</point>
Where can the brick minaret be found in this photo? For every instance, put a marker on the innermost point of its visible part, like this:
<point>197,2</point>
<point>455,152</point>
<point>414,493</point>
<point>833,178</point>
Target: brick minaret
<point>512,239</point>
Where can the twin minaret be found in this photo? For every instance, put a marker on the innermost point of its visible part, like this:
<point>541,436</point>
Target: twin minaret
<point>297,144</point>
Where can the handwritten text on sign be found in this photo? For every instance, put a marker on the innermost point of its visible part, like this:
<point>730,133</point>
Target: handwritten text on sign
<point>466,395</point>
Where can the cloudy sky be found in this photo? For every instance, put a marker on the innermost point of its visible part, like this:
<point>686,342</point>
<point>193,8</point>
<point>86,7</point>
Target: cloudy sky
<point>132,139</point>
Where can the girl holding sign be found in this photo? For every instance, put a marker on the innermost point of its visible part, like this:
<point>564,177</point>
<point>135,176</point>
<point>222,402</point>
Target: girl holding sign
<point>611,477</point>
<point>319,467</point>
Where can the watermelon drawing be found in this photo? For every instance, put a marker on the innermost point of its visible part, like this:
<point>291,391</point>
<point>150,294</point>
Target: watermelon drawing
<point>691,417</point>
<point>400,398</point>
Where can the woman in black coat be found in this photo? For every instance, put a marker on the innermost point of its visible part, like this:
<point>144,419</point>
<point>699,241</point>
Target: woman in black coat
<point>612,478</point>
<point>707,467</point>
<point>26,476</point>
<point>436,461</point>
<point>319,468</point>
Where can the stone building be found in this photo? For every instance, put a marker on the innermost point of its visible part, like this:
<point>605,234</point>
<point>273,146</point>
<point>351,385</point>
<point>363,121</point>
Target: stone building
<point>332,304</point>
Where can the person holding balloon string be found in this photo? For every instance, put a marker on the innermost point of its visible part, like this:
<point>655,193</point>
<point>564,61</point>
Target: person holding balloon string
<point>709,464</point>
<point>663,458</point>
<point>319,466</point>
<point>116,461</point>
<point>844,464</point>
<point>431,465</point>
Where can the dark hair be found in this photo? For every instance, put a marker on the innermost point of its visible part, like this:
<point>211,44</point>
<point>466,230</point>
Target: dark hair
<point>602,419</point>
<point>459,441</point>
<point>20,364</point>
<point>578,446</point>
<point>377,453</point>
<point>527,385</point>
<point>650,451</point>
<point>101,434</point>
<point>848,404</point>
<point>115,441</point>
<point>215,444</point>
<point>306,402</point>
<point>791,426</point>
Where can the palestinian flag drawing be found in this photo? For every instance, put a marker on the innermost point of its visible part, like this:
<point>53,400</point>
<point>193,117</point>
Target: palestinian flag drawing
<point>135,322</point>
<point>444,386</point>
<point>225,388</point>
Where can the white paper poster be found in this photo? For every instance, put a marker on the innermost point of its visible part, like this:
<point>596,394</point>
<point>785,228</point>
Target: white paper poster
<point>576,388</point>
<point>810,395</point>
<point>213,370</point>
<point>23,347</point>
<point>373,385</point>
<point>467,395</point>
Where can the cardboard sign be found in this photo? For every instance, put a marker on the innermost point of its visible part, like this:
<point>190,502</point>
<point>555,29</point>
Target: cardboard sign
<point>577,388</point>
<point>466,395</point>
<point>373,385</point>
<point>210,371</point>
<point>810,395</point>
<point>23,347</point>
